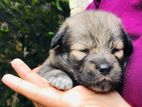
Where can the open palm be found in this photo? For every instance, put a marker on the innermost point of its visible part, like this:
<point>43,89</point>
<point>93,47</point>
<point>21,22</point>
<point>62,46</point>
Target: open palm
<point>37,89</point>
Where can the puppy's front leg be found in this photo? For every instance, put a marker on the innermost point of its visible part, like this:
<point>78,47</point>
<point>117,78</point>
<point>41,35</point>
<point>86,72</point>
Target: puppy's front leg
<point>59,79</point>
<point>56,77</point>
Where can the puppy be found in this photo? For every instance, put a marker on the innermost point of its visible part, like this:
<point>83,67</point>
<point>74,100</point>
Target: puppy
<point>90,49</point>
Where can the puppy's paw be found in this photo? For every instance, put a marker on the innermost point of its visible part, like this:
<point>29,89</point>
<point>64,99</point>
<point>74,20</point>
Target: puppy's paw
<point>59,79</point>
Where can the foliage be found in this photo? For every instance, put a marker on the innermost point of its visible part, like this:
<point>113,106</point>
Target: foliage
<point>26,28</point>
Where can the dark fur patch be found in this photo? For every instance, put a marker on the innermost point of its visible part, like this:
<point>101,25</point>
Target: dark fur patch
<point>58,38</point>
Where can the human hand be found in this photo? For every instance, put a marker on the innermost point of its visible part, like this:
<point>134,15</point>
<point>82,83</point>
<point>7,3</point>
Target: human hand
<point>37,89</point>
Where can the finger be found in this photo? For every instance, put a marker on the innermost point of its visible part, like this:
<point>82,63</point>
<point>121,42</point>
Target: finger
<point>45,96</point>
<point>36,69</point>
<point>20,67</point>
<point>26,73</point>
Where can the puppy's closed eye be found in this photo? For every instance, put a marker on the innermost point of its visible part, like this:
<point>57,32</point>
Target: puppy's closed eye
<point>118,50</point>
<point>79,54</point>
<point>119,54</point>
<point>78,51</point>
<point>84,50</point>
<point>115,50</point>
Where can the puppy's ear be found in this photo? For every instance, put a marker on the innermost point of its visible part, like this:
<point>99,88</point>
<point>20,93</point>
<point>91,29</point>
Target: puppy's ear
<point>58,38</point>
<point>128,46</point>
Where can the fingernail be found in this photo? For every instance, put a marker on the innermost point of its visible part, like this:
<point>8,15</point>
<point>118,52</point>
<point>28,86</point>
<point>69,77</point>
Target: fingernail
<point>16,60</point>
<point>8,78</point>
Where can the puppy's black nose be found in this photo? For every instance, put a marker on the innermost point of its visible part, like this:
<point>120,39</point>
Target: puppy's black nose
<point>104,68</point>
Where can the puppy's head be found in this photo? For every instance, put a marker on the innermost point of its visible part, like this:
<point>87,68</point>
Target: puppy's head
<point>92,48</point>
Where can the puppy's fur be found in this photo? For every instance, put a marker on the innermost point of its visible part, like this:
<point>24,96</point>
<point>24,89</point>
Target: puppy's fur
<point>90,49</point>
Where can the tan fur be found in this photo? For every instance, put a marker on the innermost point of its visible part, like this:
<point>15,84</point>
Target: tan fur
<point>92,30</point>
<point>52,56</point>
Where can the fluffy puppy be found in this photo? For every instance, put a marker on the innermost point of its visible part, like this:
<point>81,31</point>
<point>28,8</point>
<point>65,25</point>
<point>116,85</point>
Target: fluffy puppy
<point>90,49</point>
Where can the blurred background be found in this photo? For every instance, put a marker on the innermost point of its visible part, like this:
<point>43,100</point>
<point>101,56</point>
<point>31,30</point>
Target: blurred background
<point>26,29</point>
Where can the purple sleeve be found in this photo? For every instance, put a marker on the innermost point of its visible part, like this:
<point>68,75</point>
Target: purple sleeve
<point>130,12</point>
<point>93,6</point>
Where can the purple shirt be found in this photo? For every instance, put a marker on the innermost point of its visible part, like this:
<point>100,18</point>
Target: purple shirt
<point>130,12</point>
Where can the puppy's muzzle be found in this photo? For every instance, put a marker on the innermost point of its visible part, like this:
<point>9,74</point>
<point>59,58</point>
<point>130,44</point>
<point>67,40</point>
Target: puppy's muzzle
<point>98,63</point>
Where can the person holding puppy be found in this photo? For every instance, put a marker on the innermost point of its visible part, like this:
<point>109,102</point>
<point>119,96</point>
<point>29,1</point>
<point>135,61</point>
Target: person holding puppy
<point>37,89</point>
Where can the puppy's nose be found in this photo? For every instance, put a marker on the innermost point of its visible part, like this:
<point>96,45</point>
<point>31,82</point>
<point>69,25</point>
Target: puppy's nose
<point>104,68</point>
